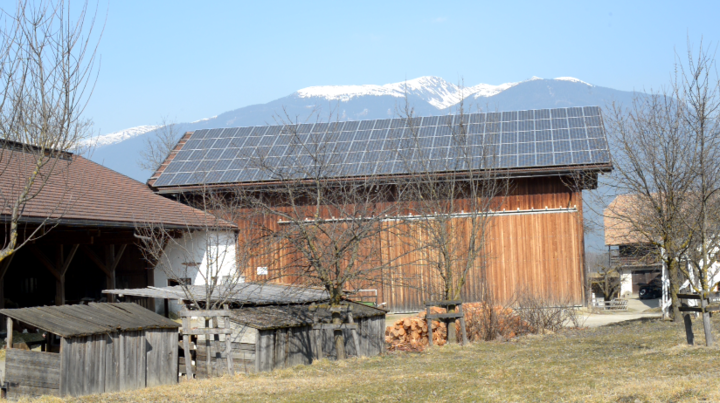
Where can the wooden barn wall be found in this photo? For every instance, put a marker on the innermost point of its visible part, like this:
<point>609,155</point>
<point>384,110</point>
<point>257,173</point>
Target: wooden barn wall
<point>31,373</point>
<point>537,253</point>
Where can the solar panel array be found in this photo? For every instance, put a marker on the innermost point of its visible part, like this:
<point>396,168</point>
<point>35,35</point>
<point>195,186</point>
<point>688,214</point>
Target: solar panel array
<point>521,139</point>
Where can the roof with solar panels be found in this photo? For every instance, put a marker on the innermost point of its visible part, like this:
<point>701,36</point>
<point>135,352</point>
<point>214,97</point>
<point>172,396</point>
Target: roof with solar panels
<point>543,140</point>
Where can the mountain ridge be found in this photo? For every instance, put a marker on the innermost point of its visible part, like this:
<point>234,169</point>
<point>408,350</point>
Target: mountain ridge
<point>435,91</point>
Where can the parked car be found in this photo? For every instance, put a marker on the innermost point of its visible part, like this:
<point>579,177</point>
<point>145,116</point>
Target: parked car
<point>651,290</point>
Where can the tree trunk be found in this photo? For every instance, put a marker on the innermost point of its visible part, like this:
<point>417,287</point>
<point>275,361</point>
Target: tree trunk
<point>339,337</point>
<point>675,312</point>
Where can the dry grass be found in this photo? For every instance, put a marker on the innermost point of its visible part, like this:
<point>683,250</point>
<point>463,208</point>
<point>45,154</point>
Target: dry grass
<point>643,361</point>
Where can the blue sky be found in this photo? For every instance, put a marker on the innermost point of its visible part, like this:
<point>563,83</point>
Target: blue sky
<point>187,60</point>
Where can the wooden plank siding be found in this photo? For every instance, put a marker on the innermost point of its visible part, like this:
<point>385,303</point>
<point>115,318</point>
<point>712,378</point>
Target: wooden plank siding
<point>31,373</point>
<point>535,252</point>
<point>290,346</point>
<point>162,357</point>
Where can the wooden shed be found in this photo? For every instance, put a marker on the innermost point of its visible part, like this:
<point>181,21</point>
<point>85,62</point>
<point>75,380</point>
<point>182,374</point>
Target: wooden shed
<point>95,348</point>
<point>279,336</point>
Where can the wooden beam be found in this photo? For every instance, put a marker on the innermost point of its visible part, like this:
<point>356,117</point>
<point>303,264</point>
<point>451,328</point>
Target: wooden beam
<point>95,258</point>
<point>66,263</point>
<point>62,264</point>
<point>116,256</point>
<point>45,261</point>
<point>111,261</point>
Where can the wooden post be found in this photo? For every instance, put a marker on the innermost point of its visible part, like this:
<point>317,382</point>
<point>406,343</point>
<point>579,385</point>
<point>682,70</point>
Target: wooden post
<point>186,347</point>
<point>318,335</point>
<point>228,342</point>
<point>688,329</point>
<point>109,260</point>
<point>355,336</point>
<point>9,339</point>
<point>208,362</point>
<point>707,325</point>
<point>462,325</point>
<point>429,325</point>
<point>60,291</point>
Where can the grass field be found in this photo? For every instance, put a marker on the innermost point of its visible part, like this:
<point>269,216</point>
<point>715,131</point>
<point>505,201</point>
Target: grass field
<point>642,361</point>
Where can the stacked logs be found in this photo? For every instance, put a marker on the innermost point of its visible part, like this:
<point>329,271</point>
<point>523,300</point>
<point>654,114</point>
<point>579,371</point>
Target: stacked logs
<point>411,333</point>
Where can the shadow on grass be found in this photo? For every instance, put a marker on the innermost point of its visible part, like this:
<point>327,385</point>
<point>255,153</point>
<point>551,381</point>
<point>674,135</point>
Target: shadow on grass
<point>631,322</point>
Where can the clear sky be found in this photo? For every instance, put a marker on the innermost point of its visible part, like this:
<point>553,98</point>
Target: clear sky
<point>187,60</point>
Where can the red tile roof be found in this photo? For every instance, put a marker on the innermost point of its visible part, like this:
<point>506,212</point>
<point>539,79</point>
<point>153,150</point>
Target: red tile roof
<point>81,192</point>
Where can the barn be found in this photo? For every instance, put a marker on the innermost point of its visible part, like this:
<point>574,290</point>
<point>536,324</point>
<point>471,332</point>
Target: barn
<point>95,348</point>
<point>536,237</point>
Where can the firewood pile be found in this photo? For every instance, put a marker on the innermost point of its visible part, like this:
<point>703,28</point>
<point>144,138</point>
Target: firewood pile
<point>411,333</point>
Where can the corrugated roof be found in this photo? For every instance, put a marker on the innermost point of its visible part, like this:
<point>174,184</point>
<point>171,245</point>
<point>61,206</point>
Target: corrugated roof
<point>95,318</point>
<point>81,192</point>
<point>243,293</point>
<point>282,316</point>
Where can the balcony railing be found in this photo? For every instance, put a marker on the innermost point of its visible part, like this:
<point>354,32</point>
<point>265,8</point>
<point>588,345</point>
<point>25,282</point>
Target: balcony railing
<point>633,261</point>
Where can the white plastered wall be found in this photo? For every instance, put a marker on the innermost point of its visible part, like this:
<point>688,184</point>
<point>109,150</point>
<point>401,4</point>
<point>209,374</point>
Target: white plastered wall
<point>197,256</point>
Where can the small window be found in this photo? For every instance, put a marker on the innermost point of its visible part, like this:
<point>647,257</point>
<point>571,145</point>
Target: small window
<point>178,281</point>
<point>262,271</point>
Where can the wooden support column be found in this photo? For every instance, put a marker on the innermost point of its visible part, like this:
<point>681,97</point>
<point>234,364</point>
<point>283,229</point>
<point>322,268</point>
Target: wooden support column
<point>112,258</point>
<point>4,266</point>
<point>109,259</point>
<point>9,340</point>
<point>63,264</point>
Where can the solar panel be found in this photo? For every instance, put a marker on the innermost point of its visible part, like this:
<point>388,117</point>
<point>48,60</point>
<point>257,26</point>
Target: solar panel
<point>513,139</point>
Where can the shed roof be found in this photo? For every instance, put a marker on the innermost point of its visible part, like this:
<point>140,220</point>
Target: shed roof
<point>83,193</point>
<point>242,293</point>
<point>282,316</point>
<point>86,320</point>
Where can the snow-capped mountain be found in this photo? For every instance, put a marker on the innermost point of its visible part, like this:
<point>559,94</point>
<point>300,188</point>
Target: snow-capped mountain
<point>112,138</point>
<point>433,90</point>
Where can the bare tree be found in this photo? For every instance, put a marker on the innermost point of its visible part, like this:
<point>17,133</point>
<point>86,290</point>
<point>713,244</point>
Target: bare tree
<point>329,213</point>
<point>652,166</point>
<point>46,78</point>
<point>158,145</point>
<point>450,199</point>
<point>698,88</point>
